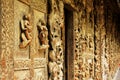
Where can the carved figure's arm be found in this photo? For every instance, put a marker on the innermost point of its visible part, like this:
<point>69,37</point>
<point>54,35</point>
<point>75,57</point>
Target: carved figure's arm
<point>22,25</point>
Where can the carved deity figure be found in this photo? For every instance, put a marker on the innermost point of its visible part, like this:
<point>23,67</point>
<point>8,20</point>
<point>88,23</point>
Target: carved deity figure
<point>26,29</point>
<point>43,34</point>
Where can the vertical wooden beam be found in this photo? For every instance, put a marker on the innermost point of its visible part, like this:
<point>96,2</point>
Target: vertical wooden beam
<point>69,43</point>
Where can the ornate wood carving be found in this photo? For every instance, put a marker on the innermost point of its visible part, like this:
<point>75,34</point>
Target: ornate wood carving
<point>43,34</point>
<point>20,64</point>
<point>56,49</point>
<point>84,42</point>
<point>28,59</point>
<point>98,47</point>
<point>26,29</point>
<point>90,61</point>
<point>6,40</point>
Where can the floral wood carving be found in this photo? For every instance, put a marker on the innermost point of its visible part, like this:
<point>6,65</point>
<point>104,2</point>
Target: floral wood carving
<point>26,29</point>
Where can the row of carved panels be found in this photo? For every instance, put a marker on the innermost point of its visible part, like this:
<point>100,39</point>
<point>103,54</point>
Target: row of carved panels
<point>39,74</point>
<point>21,37</point>
<point>20,64</point>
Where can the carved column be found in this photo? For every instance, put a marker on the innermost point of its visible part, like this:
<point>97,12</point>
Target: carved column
<point>98,25</point>
<point>56,25</point>
<point>84,42</point>
<point>6,40</point>
<point>104,62</point>
<point>108,25</point>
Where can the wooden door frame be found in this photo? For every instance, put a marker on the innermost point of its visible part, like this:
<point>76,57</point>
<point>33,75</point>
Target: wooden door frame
<point>69,41</point>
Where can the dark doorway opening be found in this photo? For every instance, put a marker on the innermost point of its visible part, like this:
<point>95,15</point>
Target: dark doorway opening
<point>69,47</point>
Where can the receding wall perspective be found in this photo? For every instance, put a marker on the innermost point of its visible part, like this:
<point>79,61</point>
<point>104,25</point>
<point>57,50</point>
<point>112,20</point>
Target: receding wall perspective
<point>59,39</point>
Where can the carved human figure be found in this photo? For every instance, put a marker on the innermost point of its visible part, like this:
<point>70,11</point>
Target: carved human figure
<point>26,29</point>
<point>43,33</point>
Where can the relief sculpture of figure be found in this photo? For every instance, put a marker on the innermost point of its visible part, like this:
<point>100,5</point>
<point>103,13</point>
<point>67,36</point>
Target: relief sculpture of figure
<point>26,29</point>
<point>43,34</point>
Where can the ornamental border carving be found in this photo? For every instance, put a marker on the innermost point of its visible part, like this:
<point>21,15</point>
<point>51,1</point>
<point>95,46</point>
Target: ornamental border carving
<point>20,64</point>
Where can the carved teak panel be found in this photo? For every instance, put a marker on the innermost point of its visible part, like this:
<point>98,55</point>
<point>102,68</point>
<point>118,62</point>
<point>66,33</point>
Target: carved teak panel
<point>31,40</point>
<point>59,39</point>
